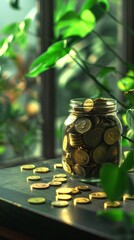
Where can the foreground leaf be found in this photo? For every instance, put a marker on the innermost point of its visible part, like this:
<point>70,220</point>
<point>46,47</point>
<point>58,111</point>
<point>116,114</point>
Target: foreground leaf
<point>73,24</point>
<point>128,163</point>
<point>114,181</point>
<point>48,58</point>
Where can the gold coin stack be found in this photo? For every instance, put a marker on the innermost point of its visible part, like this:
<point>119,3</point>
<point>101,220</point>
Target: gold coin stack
<point>92,137</point>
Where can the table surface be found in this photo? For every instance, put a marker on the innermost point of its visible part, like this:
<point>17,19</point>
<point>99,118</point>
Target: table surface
<point>44,219</point>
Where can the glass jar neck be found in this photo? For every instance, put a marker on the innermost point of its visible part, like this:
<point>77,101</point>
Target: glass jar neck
<point>93,106</point>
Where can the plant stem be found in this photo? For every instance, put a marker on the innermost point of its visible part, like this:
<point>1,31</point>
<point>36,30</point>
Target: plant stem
<point>110,49</point>
<point>86,70</point>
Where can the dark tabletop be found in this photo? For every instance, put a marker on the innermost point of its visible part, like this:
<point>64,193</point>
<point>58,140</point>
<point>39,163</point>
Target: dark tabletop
<point>44,221</point>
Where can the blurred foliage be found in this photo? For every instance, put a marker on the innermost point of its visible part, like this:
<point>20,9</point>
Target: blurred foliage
<point>91,67</point>
<point>19,104</point>
<point>85,54</point>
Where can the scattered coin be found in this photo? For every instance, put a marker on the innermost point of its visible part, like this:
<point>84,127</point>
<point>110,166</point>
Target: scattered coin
<point>27,167</point>
<point>54,183</point>
<point>82,200</point>
<point>128,196</point>
<point>41,170</point>
<point>63,197</point>
<point>60,175</point>
<point>63,190</point>
<point>33,178</point>
<point>58,165</point>
<point>39,185</point>
<point>60,179</point>
<point>131,170</point>
<point>83,187</point>
<point>98,195</point>
<point>75,190</point>
<point>111,204</point>
<point>59,203</point>
<point>36,200</point>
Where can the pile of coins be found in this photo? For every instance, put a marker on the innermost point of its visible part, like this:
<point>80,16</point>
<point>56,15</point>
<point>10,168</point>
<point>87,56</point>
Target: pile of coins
<point>92,137</point>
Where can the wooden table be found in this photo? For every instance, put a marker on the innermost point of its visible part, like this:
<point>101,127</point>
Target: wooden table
<point>43,221</point>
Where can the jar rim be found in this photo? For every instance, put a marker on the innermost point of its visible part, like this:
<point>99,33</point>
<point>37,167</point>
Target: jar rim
<point>92,104</point>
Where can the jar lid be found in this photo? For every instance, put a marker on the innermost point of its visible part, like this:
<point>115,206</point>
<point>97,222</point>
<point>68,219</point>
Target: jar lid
<point>94,105</point>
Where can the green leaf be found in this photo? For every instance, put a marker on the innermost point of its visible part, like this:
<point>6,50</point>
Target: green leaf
<point>128,163</point>
<point>88,4</point>
<point>14,4</point>
<point>127,82</point>
<point>48,59</point>
<point>114,215</point>
<point>130,186</point>
<point>114,181</point>
<point>130,118</point>
<point>71,24</point>
<point>105,70</point>
<point>100,8</point>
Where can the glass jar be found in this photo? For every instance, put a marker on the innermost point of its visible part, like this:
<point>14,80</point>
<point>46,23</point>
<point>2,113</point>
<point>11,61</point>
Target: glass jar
<point>91,137</point>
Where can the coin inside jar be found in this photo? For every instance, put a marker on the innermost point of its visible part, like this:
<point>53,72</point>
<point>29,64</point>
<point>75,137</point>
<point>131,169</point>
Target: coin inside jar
<point>88,105</point>
<point>82,125</point>
<point>111,135</point>
<point>93,137</point>
<point>81,157</point>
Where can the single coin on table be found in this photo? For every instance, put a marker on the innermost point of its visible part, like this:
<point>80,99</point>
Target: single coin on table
<point>27,167</point>
<point>36,200</point>
<point>39,185</point>
<point>59,203</point>
<point>41,169</point>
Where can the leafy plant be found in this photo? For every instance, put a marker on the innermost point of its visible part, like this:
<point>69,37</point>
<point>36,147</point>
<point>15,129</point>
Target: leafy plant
<point>19,108</point>
<point>71,29</point>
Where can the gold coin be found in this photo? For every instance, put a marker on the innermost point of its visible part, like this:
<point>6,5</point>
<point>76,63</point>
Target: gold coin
<point>111,135</point>
<point>41,170</point>
<point>33,178</point>
<point>75,190</point>
<point>88,105</point>
<point>100,154</point>
<point>79,170</point>
<point>67,167</point>
<point>27,167</point>
<point>82,200</point>
<point>63,197</point>
<point>59,179</point>
<point>59,203</point>
<point>58,165</point>
<point>70,119</point>
<point>60,175</point>
<point>40,185</point>
<point>113,152</point>
<point>98,195</point>
<point>131,170</point>
<point>111,204</point>
<point>36,200</point>
<point>54,183</point>
<point>93,137</point>
<point>82,125</point>
<point>63,190</point>
<point>127,196</point>
<point>64,144</point>
<point>81,157</point>
<point>83,187</point>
